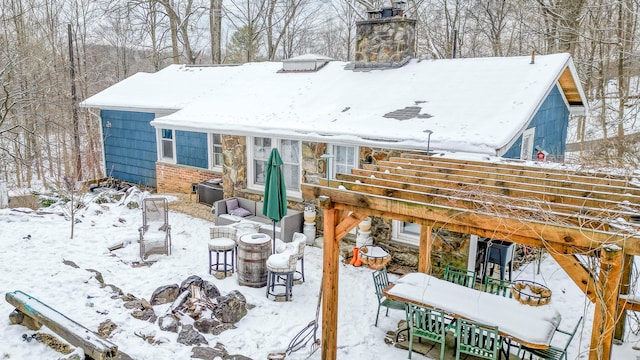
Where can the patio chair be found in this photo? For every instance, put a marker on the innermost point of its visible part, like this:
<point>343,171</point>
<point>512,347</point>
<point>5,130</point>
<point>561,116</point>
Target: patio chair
<point>479,340</point>
<point>155,232</point>
<point>381,281</point>
<point>460,276</point>
<point>498,287</point>
<point>301,239</point>
<point>282,266</point>
<point>552,352</point>
<point>427,324</point>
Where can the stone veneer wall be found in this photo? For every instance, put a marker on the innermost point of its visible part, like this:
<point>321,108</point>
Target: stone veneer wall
<point>385,40</point>
<point>234,170</point>
<point>313,166</point>
<point>173,178</point>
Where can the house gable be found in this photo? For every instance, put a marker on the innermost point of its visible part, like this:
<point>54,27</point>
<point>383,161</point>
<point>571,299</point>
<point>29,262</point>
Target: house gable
<point>550,123</point>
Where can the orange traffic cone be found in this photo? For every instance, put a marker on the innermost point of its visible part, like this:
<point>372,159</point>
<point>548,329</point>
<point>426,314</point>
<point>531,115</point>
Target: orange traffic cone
<point>356,250</point>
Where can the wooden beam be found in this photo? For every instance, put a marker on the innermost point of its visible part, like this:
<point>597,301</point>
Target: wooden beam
<point>516,165</point>
<point>455,227</point>
<point>576,271</point>
<point>628,305</point>
<point>467,229</point>
<point>526,228</point>
<point>70,330</point>
<point>555,201</point>
<point>474,200</point>
<point>487,178</point>
<point>545,173</point>
<point>330,269</point>
<point>426,243</point>
<point>607,300</point>
<point>347,224</point>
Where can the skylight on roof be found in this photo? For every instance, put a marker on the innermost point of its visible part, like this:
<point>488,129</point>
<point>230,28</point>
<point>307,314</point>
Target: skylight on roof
<point>305,63</point>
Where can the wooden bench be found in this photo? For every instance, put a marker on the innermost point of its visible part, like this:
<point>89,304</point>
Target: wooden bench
<point>76,334</point>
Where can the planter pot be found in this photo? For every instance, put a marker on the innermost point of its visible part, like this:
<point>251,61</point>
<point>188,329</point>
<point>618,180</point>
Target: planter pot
<point>365,225</point>
<point>309,216</point>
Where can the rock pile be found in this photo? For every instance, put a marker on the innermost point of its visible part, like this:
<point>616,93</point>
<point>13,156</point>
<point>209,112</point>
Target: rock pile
<point>208,311</point>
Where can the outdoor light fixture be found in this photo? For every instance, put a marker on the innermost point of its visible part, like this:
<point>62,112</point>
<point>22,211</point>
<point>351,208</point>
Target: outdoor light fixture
<point>429,132</point>
<point>328,158</point>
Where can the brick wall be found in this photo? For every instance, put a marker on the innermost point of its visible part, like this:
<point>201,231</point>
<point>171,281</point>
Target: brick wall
<point>173,178</point>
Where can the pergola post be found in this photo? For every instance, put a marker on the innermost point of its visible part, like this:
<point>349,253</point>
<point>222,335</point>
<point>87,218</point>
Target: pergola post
<point>330,268</point>
<point>621,316</point>
<point>606,302</point>
<point>426,242</point>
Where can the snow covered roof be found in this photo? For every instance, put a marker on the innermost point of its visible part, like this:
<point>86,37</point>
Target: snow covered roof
<point>475,105</point>
<point>168,90</point>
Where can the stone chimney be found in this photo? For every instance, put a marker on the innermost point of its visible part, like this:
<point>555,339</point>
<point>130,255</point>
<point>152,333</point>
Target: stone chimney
<point>385,39</point>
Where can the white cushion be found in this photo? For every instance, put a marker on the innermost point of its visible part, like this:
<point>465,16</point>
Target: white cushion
<point>222,243</point>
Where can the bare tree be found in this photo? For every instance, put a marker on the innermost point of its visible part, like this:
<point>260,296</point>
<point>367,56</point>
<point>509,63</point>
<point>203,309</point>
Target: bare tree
<point>181,15</point>
<point>562,23</point>
<point>491,19</point>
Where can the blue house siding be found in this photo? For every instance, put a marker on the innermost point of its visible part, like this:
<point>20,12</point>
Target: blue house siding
<point>129,146</point>
<point>550,123</point>
<point>191,149</point>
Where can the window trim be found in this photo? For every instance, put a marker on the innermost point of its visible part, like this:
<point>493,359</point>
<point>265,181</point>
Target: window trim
<point>402,237</point>
<point>251,171</point>
<point>527,154</point>
<point>356,157</point>
<point>210,146</point>
<point>160,146</point>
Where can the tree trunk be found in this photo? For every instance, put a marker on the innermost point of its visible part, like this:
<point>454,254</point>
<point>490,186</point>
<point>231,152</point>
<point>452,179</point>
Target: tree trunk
<point>215,24</point>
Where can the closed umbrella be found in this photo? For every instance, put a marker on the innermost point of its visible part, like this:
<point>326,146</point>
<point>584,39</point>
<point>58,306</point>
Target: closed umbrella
<point>275,192</point>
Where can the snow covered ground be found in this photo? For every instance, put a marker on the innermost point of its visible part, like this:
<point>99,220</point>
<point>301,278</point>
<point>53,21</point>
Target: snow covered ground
<point>35,244</point>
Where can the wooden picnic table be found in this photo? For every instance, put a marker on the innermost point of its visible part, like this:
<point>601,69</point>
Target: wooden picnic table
<point>532,326</point>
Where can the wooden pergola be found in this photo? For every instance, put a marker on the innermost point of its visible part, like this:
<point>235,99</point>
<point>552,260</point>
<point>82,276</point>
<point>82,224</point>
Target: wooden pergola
<point>571,214</point>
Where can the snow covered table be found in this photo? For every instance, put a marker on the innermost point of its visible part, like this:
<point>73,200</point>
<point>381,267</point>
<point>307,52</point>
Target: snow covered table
<point>528,325</point>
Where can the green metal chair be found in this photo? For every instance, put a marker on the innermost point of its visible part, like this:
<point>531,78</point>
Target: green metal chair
<point>427,324</point>
<point>460,276</point>
<point>477,339</point>
<point>501,288</point>
<point>498,287</point>
<point>381,281</point>
<point>552,352</point>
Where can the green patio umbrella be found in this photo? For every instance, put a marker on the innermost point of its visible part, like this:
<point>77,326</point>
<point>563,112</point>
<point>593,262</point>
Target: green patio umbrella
<point>275,192</point>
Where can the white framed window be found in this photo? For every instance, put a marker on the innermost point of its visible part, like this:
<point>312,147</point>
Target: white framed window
<point>216,158</point>
<point>290,152</point>
<point>405,232</point>
<point>166,146</point>
<point>526,150</point>
<point>344,159</point>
